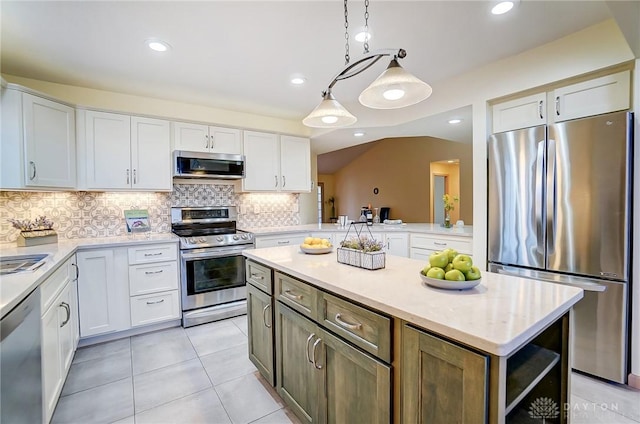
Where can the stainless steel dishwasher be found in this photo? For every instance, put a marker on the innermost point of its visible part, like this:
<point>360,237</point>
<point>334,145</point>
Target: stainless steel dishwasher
<point>21,381</point>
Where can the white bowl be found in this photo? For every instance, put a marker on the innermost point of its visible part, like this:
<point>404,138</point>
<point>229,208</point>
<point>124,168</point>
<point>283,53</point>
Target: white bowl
<point>449,285</point>
<point>318,251</point>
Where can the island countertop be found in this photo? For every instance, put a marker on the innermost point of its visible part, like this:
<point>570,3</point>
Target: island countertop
<point>497,316</point>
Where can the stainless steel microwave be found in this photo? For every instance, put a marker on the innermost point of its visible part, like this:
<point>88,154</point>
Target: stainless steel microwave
<point>207,165</point>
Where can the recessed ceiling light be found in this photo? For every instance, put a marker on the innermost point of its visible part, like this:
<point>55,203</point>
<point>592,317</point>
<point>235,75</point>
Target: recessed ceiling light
<point>455,121</point>
<point>157,45</point>
<point>298,80</point>
<point>362,36</point>
<point>358,134</point>
<point>502,7</point>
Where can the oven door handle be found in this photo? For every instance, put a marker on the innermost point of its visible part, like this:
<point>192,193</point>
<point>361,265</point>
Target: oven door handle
<point>212,253</point>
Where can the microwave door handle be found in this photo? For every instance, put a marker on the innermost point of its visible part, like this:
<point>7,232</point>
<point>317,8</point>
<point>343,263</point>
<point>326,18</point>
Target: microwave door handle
<point>552,208</point>
<point>539,199</point>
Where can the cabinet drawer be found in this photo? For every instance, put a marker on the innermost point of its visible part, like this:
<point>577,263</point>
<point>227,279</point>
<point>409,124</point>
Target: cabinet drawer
<point>148,309</point>
<point>260,277</point>
<point>52,285</point>
<point>460,244</point>
<point>364,328</point>
<point>277,241</point>
<point>152,278</point>
<point>153,253</point>
<point>296,294</point>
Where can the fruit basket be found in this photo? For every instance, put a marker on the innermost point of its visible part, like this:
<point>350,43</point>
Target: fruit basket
<point>361,251</point>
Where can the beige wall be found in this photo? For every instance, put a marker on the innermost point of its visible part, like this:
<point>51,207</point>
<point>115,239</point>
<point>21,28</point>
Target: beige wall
<point>400,169</point>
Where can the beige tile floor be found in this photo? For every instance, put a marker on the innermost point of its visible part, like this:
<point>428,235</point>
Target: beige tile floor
<point>202,375</point>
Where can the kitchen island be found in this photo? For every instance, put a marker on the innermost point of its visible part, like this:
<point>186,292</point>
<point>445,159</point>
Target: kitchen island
<point>406,351</point>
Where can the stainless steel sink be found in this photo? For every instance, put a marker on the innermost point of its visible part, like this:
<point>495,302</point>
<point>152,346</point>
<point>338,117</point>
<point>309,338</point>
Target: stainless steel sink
<point>21,263</point>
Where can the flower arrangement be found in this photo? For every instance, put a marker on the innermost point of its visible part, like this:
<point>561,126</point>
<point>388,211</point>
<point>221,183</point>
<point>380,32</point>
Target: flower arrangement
<point>449,202</point>
<point>40,223</point>
<point>362,252</point>
<point>362,243</point>
<point>332,200</point>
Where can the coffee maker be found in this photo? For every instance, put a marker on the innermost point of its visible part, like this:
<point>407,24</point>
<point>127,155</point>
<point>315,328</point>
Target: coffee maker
<point>384,214</point>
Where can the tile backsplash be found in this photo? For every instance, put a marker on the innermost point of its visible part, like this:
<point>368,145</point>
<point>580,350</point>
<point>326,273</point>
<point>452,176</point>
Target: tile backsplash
<point>100,214</point>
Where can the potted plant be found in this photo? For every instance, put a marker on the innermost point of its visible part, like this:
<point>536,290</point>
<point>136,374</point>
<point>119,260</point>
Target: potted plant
<point>362,252</point>
<point>36,232</point>
<point>332,200</point>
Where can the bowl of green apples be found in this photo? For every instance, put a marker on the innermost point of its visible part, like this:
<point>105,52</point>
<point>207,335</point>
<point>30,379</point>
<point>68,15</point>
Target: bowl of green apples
<point>449,270</point>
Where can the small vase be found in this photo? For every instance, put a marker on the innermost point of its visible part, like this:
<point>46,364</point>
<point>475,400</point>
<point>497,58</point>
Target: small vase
<point>447,221</point>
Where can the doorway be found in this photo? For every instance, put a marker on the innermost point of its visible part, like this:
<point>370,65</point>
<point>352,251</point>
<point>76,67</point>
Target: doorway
<point>439,189</point>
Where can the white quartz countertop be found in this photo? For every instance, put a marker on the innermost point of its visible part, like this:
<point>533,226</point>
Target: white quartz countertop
<point>15,287</point>
<point>465,231</point>
<point>497,316</point>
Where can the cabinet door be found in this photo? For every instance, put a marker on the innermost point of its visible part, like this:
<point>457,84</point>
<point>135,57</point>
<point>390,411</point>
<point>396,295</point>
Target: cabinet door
<point>357,386</point>
<point>397,244</point>
<point>600,95</point>
<point>295,164</point>
<point>103,306</point>
<point>297,379</point>
<point>65,327</point>
<point>150,154</point>
<point>108,138</point>
<point>524,112</point>
<point>441,382</point>
<point>51,358</point>
<point>261,162</point>
<point>260,326</point>
<point>190,137</point>
<point>225,140</point>
<point>50,143</point>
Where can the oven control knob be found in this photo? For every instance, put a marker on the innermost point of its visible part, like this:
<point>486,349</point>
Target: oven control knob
<point>220,238</point>
<point>235,237</point>
<point>191,240</point>
<point>243,237</point>
<point>202,240</point>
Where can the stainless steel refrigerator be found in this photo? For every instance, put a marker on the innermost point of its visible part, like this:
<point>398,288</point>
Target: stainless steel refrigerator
<point>560,210</point>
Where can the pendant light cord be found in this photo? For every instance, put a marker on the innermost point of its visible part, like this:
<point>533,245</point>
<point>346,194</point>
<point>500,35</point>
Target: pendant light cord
<point>366,26</point>
<point>346,34</point>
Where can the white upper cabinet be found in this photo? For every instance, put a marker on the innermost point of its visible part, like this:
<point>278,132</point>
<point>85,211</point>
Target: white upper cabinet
<point>276,163</point>
<point>207,139</point>
<point>295,164</point>
<point>596,96</point>
<point>262,162</point>
<point>524,112</point>
<point>124,152</point>
<point>38,142</point>
<point>600,95</point>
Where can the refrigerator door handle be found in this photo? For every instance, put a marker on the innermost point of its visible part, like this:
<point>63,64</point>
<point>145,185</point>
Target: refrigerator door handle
<point>539,199</point>
<point>551,197</point>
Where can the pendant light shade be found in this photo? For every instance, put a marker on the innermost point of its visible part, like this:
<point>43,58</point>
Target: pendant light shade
<point>329,114</point>
<point>395,88</point>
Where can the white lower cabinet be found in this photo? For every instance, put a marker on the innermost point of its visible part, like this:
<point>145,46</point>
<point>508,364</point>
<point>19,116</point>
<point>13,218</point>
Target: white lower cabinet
<point>59,336</point>
<point>423,245</point>
<point>103,291</point>
<point>397,244</point>
<point>153,283</point>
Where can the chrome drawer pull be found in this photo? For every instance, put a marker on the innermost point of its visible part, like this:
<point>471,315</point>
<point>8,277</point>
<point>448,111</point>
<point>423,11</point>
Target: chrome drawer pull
<point>284,242</point>
<point>258,276</point>
<point>153,272</point>
<point>156,302</point>
<point>357,326</point>
<point>65,305</point>
<point>289,294</point>
<point>313,354</point>
<point>153,254</point>
<point>311,336</point>
<point>264,318</point>
<point>439,243</point>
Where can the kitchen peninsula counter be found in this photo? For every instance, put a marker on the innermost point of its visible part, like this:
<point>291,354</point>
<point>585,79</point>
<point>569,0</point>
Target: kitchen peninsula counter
<point>419,228</point>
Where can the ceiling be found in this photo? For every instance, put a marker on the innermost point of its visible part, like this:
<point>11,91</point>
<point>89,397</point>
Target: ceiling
<point>240,55</point>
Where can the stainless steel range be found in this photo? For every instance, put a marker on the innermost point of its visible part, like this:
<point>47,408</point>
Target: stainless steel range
<point>212,268</point>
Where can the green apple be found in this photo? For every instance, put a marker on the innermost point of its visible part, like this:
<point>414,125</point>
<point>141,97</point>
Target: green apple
<point>454,275</point>
<point>473,274</point>
<point>448,268</point>
<point>435,272</point>
<point>426,269</point>
<point>439,259</point>
<point>451,253</point>
<point>462,263</point>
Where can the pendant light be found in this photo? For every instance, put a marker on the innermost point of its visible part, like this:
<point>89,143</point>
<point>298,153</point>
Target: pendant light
<point>394,88</point>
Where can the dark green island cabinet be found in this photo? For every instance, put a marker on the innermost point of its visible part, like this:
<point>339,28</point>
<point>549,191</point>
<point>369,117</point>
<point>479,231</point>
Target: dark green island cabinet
<point>335,356</point>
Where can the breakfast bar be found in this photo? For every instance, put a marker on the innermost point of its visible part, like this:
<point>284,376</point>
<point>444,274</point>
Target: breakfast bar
<point>421,354</point>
